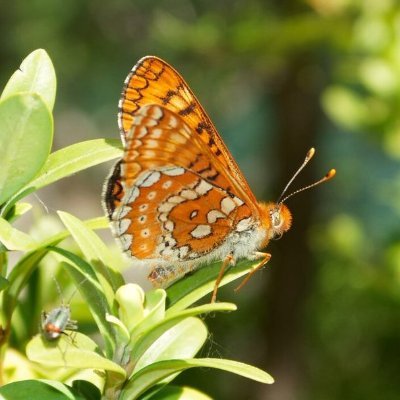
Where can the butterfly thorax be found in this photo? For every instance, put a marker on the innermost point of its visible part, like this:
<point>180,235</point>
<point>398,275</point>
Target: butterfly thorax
<point>276,219</point>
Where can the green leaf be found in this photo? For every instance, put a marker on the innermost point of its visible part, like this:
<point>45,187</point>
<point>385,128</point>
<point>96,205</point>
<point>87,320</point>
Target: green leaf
<point>68,161</point>
<point>23,269</point>
<point>193,287</point>
<point>38,389</point>
<point>91,290</point>
<point>183,340</point>
<point>74,351</point>
<point>13,239</point>
<point>130,299</point>
<point>18,210</point>
<point>96,252</point>
<point>3,283</point>
<point>155,331</point>
<point>86,389</point>
<point>154,373</point>
<point>26,134</point>
<point>154,311</point>
<point>18,278</point>
<point>178,393</point>
<point>35,75</point>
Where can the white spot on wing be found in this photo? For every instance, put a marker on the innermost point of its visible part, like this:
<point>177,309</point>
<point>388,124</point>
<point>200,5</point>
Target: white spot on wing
<point>171,241</point>
<point>203,188</point>
<point>166,184</point>
<point>188,194</point>
<point>176,199</point>
<point>173,122</point>
<point>144,233</point>
<point>131,194</point>
<point>123,225</point>
<point>156,133</point>
<point>238,201</point>
<point>120,212</point>
<point>227,205</point>
<point>169,226</point>
<point>149,153</point>
<point>166,207</point>
<point>140,131</point>
<point>163,217</point>
<point>193,214</point>
<point>201,231</point>
<point>178,138</point>
<point>213,215</point>
<point>149,180</point>
<point>244,224</point>
<point>143,207</point>
<point>151,195</point>
<point>151,144</point>
<point>156,112</point>
<point>126,241</point>
<point>174,171</point>
<point>183,250</point>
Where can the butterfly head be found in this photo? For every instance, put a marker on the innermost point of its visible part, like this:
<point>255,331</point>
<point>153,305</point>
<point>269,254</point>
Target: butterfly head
<point>278,219</point>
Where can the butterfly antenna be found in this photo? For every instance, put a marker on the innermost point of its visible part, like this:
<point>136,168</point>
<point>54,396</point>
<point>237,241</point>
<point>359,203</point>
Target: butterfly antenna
<point>326,178</point>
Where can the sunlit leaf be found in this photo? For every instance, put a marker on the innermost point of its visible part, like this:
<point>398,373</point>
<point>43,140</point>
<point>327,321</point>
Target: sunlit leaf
<point>74,351</point>
<point>154,373</point>
<point>14,239</point>
<point>155,331</point>
<point>177,393</point>
<point>68,161</point>
<point>96,252</point>
<point>38,389</point>
<point>200,283</point>
<point>182,340</point>
<point>35,75</point>
<point>26,134</point>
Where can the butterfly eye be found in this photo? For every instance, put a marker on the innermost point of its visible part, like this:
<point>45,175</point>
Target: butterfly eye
<point>276,219</point>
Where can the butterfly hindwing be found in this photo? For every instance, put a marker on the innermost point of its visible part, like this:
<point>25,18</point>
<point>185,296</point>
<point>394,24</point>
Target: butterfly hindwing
<point>173,214</point>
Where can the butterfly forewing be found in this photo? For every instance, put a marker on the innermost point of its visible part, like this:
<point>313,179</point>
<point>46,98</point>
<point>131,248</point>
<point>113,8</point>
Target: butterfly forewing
<point>152,81</point>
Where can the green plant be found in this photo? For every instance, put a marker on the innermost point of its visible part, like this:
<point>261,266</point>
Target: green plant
<point>147,339</point>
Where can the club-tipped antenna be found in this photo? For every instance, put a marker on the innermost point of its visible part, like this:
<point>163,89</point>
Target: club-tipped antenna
<point>327,177</point>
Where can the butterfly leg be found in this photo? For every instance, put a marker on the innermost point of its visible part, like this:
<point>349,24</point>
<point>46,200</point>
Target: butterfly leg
<point>228,260</point>
<point>264,258</point>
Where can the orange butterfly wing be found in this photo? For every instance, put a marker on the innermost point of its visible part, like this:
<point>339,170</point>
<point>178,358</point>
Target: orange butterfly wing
<point>162,201</point>
<point>153,81</point>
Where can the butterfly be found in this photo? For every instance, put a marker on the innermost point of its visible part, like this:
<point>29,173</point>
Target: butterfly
<point>177,199</point>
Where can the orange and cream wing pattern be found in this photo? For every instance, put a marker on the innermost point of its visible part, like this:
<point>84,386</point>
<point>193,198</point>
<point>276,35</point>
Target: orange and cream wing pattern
<point>153,81</point>
<point>166,199</point>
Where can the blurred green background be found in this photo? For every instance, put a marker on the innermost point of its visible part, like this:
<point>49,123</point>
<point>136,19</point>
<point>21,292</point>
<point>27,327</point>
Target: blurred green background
<point>276,77</point>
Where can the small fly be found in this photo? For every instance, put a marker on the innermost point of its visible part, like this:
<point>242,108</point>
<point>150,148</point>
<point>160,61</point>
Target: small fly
<point>54,323</point>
